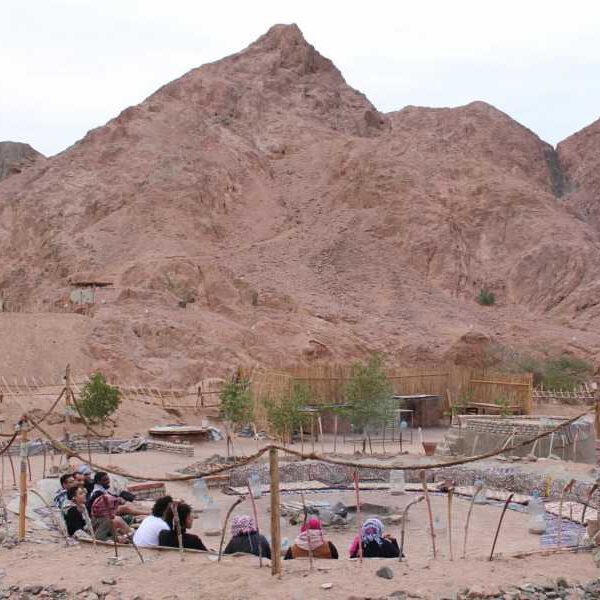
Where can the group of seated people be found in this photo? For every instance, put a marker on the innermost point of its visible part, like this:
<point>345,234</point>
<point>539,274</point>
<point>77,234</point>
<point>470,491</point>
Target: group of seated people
<point>87,503</point>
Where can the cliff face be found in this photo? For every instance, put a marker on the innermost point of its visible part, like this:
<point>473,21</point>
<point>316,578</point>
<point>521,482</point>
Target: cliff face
<point>303,224</point>
<point>15,156</point>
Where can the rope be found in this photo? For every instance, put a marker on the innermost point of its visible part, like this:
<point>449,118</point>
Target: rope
<point>310,456</point>
<point>8,444</point>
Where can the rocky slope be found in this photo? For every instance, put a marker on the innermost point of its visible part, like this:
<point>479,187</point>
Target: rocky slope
<point>15,156</point>
<point>303,224</point>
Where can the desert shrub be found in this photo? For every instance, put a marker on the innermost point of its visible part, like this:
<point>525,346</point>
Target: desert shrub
<point>486,297</point>
<point>98,399</point>
<point>237,405</point>
<point>368,394</point>
<point>284,414</point>
<point>565,373</point>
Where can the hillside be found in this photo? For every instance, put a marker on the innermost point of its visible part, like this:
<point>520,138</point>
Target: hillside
<point>15,156</point>
<point>301,224</point>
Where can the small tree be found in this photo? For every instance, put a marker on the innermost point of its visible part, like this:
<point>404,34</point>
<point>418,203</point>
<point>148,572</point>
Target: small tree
<point>284,415</point>
<point>237,406</point>
<point>566,373</point>
<point>98,399</point>
<point>368,395</point>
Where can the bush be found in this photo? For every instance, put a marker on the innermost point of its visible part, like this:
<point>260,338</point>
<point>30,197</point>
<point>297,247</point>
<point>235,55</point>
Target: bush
<point>486,298</point>
<point>98,399</point>
<point>284,415</point>
<point>566,373</point>
<point>368,394</point>
<point>237,406</point>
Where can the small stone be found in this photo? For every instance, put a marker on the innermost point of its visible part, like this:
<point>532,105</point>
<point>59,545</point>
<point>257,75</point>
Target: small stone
<point>561,582</point>
<point>395,519</point>
<point>385,573</point>
<point>109,581</point>
<point>327,586</point>
<point>33,589</point>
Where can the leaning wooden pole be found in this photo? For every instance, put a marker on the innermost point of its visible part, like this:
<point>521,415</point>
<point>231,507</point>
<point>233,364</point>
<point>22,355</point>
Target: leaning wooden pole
<point>23,477</point>
<point>566,488</point>
<point>423,477</point>
<point>275,512</point>
<point>500,525</point>
<point>450,495</point>
<point>255,513</point>
<point>476,490</point>
<point>404,519</point>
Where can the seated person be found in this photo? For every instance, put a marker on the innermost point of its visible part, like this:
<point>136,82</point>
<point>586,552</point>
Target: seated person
<point>73,510</point>
<point>245,538</point>
<point>170,538</point>
<point>147,533</point>
<point>83,475</point>
<point>67,481</point>
<point>105,520</point>
<point>101,486</point>
<point>311,539</point>
<point>374,543</point>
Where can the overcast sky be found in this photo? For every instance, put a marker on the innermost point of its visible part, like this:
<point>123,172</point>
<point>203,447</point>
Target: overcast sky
<point>67,66</point>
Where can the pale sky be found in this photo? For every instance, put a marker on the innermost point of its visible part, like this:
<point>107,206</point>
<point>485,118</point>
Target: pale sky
<point>67,66</point>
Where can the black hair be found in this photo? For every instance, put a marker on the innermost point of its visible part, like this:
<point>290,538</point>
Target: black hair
<point>183,510</point>
<point>161,505</point>
<point>99,476</point>
<point>72,491</point>
<point>64,477</point>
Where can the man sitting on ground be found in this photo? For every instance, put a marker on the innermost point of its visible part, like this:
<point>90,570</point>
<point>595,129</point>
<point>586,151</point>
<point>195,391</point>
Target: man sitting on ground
<point>84,478</point>
<point>101,487</point>
<point>67,481</point>
<point>105,520</point>
<point>146,534</point>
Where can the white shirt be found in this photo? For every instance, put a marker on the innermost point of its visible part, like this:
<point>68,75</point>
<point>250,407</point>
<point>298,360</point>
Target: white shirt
<point>147,533</point>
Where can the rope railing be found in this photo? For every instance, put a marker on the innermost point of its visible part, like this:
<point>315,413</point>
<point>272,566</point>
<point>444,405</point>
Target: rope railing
<point>305,456</point>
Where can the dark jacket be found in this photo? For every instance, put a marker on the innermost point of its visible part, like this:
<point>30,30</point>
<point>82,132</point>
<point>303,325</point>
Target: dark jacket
<point>248,544</point>
<point>169,538</point>
<point>74,520</point>
<point>387,549</point>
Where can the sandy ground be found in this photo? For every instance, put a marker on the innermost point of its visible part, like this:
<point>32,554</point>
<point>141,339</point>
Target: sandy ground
<point>238,578</point>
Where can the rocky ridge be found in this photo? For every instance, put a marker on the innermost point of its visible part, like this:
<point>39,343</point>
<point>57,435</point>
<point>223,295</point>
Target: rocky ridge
<point>258,210</point>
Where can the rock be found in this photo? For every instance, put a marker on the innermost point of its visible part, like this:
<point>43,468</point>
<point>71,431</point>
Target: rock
<point>385,573</point>
<point>561,582</point>
<point>395,519</point>
<point>109,581</point>
<point>327,586</point>
<point>33,589</point>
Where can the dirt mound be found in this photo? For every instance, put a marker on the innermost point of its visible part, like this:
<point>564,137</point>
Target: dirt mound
<point>260,210</point>
<point>15,156</point>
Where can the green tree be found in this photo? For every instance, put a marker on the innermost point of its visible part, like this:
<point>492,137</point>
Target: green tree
<point>566,373</point>
<point>285,415</point>
<point>98,400</point>
<point>368,395</point>
<point>237,406</point>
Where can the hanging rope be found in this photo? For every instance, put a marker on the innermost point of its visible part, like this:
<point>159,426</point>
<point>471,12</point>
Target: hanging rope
<point>310,456</point>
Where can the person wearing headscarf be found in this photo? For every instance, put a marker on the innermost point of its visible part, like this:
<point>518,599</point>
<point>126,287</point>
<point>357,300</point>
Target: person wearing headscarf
<point>169,537</point>
<point>374,543</point>
<point>311,540</point>
<point>245,538</point>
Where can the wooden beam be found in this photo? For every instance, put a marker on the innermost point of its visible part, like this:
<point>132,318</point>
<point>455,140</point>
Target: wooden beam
<point>275,513</point>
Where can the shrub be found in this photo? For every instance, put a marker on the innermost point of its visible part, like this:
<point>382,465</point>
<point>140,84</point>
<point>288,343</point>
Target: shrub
<point>237,406</point>
<point>486,297</point>
<point>98,399</point>
<point>368,394</point>
<point>566,373</point>
<point>284,415</point>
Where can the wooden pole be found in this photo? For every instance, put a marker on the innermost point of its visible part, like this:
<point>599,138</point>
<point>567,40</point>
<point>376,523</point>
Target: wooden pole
<point>275,510</point>
<point>404,519</point>
<point>23,478</point>
<point>231,509</point>
<point>500,525</point>
<point>335,432</point>
<point>423,477</point>
<point>358,517</point>
<point>255,513</point>
<point>450,494</point>
<point>476,489</point>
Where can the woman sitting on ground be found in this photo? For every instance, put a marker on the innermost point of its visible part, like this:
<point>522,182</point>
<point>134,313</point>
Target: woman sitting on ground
<point>73,510</point>
<point>170,538</point>
<point>374,543</point>
<point>245,538</point>
<point>146,535</point>
<point>311,541</point>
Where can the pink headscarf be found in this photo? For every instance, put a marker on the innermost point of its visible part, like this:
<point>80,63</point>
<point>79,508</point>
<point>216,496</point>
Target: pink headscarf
<point>242,524</point>
<point>311,535</point>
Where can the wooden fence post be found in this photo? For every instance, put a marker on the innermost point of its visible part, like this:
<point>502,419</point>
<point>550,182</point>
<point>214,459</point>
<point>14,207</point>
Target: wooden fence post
<point>23,478</point>
<point>275,510</point>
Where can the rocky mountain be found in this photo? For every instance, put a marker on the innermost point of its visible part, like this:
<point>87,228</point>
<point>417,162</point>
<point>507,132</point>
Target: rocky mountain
<point>258,210</point>
<point>15,156</point>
